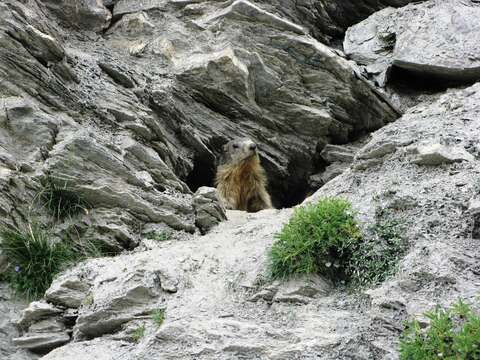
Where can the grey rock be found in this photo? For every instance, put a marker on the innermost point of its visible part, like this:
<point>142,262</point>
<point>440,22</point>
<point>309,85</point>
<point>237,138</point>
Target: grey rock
<point>68,291</point>
<point>86,14</point>
<point>337,153</point>
<point>437,252</point>
<point>474,206</point>
<point>41,342</point>
<point>36,311</point>
<point>436,154</point>
<point>208,209</point>
<point>244,8</point>
<point>333,170</point>
<point>42,46</point>
<point>422,38</point>
<point>123,7</point>
<point>327,20</point>
<point>10,308</point>
<point>134,24</point>
<point>92,350</point>
<point>159,120</point>
<point>117,74</point>
<point>302,290</point>
<point>129,140</point>
<point>96,158</point>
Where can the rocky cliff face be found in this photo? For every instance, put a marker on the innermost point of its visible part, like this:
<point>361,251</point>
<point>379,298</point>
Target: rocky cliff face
<point>127,104</point>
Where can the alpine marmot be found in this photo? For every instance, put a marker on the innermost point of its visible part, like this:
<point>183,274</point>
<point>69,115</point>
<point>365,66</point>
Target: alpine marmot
<point>241,181</point>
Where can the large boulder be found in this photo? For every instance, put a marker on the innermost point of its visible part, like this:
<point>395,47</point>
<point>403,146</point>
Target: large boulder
<point>437,40</point>
<point>86,14</point>
<point>209,211</point>
<point>327,20</point>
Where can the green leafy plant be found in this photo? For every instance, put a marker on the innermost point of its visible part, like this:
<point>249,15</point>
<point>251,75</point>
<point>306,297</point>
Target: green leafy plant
<point>376,257</point>
<point>158,317</point>
<point>452,334</point>
<point>138,333</point>
<point>34,258</point>
<point>319,238</point>
<point>324,238</point>
<point>158,236</point>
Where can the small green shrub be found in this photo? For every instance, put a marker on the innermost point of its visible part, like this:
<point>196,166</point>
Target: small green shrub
<point>158,317</point>
<point>158,236</point>
<point>319,238</point>
<point>62,201</point>
<point>324,238</point>
<point>34,259</point>
<point>453,334</point>
<point>138,333</point>
<point>376,257</point>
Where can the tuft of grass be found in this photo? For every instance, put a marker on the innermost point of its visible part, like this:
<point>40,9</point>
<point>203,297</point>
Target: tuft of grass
<point>34,259</point>
<point>138,333</point>
<point>319,238</point>
<point>95,248</point>
<point>158,236</point>
<point>376,257</point>
<point>62,201</point>
<point>158,317</point>
<point>452,334</point>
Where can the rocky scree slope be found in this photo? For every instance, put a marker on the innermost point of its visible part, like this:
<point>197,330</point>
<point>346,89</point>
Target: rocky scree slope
<point>217,303</point>
<point>128,104</point>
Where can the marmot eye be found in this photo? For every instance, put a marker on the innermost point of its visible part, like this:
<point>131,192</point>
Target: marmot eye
<point>235,146</point>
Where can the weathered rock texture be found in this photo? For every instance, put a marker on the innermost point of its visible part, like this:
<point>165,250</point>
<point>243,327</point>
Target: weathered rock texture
<point>132,121</point>
<point>10,308</point>
<point>437,39</point>
<point>327,20</point>
<point>127,105</point>
<point>217,301</point>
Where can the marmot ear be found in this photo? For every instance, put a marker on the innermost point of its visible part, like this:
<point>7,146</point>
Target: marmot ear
<point>225,147</point>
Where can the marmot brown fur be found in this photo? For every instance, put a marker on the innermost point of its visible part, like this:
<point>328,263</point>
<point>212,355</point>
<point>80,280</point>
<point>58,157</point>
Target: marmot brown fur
<point>241,180</point>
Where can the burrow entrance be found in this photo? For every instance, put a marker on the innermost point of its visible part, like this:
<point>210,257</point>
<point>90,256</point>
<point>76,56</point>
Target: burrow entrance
<point>286,190</point>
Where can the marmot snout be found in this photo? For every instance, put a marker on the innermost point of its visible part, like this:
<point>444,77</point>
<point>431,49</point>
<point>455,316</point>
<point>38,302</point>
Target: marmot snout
<point>241,181</point>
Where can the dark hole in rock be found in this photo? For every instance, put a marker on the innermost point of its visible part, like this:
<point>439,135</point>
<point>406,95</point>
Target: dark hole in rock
<point>286,188</point>
<point>476,227</point>
<point>110,7</point>
<point>202,174</point>
<point>409,81</point>
<point>290,193</point>
<point>285,192</point>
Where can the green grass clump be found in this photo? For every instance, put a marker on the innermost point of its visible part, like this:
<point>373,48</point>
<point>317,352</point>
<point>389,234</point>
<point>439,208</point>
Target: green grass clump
<point>158,317</point>
<point>453,334</point>
<point>138,333</point>
<point>34,259</point>
<point>158,236</point>
<point>376,257</point>
<point>62,201</point>
<point>325,239</point>
<point>319,238</point>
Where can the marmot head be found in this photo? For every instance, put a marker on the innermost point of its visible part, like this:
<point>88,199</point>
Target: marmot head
<point>238,150</point>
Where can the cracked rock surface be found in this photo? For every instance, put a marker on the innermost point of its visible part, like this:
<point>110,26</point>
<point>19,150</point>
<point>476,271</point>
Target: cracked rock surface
<point>127,104</point>
<point>218,304</point>
<point>436,38</point>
